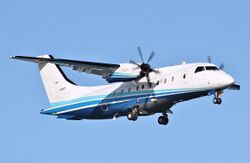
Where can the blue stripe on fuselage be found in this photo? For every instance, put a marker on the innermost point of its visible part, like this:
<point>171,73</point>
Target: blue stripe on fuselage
<point>102,99</point>
<point>121,109</point>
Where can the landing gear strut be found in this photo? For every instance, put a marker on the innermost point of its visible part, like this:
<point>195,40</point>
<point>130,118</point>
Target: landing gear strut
<point>163,120</point>
<point>217,100</point>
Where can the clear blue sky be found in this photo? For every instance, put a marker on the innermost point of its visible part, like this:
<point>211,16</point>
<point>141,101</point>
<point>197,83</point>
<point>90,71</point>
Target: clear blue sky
<point>109,31</point>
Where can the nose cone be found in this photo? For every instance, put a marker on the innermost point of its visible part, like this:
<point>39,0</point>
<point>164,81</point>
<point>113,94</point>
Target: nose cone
<point>228,80</point>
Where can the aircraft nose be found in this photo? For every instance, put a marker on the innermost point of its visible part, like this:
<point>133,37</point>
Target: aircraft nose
<point>228,80</point>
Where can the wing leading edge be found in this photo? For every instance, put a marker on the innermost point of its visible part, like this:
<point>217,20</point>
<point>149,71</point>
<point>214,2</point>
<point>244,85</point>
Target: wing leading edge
<point>97,68</point>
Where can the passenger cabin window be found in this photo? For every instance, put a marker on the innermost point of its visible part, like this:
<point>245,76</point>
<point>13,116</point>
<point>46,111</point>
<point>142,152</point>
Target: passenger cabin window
<point>211,68</point>
<point>165,81</point>
<point>158,82</point>
<point>199,69</point>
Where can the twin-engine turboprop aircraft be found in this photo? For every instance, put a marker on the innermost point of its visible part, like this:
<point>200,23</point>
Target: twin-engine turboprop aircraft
<point>136,89</point>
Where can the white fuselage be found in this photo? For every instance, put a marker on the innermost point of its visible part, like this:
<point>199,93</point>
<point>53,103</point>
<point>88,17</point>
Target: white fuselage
<point>173,84</point>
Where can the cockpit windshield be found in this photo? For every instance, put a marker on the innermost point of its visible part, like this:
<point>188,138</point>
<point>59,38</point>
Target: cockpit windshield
<point>199,69</point>
<point>207,68</point>
<point>211,68</point>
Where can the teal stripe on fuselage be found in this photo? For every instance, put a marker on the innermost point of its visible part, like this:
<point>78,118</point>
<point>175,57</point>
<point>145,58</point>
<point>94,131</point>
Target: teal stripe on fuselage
<point>123,74</point>
<point>100,99</point>
<point>116,95</point>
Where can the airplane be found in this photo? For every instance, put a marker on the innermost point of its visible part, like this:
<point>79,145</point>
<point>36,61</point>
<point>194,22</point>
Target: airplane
<point>135,89</point>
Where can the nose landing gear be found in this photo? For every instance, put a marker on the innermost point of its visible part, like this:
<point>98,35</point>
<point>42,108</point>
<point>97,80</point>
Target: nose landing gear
<point>217,100</point>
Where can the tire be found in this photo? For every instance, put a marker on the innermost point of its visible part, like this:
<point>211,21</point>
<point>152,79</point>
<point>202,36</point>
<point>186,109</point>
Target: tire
<point>215,101</point>
<point>166,120</point>
<point>219,101</point>
<point>132,116</point>
<point>163,120</point>
<point>135,117</point>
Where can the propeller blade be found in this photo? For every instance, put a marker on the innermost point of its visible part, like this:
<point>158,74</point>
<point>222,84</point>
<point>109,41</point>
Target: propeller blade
<point>151,56</point>
<point>209,59</point>
<point>135,68</point>
<point>138,78</point>
<point>133,62</point>
<point>155,71</point>
<point>222,66</point>
<point>140,52</point>
<point>148,81</point>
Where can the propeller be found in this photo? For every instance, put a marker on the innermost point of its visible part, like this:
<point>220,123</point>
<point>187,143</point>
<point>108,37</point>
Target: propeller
<point>209,59</point>
<point>221,66</point>
<point>145,67</point>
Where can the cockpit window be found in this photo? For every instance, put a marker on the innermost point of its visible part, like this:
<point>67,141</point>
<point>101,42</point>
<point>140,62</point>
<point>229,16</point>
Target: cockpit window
<point>211,68</point>
<point>199,69</point>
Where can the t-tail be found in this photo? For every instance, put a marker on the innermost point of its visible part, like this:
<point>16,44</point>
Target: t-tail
<point>58,87</point>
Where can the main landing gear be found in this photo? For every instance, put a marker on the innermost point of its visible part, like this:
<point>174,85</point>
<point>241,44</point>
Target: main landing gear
<point>163,120</point>
<point>217,100</point>
<point>133,114</point>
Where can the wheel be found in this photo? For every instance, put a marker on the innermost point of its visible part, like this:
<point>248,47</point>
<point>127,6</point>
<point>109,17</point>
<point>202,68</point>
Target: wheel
<point>132,116</point>
<point>163,120</point>
<point>214,100</point>
<point>166,121</point>
<point>217,101</point>
<point>135,117</point>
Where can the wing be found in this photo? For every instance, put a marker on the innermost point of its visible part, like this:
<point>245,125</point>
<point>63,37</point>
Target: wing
<point>102,69</point>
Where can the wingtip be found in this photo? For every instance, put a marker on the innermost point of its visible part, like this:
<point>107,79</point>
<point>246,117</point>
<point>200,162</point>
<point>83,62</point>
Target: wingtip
<point>12,57</point>
<point>15,57</point>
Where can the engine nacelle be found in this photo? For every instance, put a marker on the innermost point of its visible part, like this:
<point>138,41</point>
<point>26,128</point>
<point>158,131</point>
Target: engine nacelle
<point>125,73</point>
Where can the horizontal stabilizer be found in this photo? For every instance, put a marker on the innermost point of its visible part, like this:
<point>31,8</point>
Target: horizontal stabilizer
<point>58,87</point>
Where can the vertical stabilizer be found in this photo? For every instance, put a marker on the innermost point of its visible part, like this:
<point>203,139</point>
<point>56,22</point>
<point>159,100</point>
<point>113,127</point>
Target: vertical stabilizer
<point>58,87</point>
